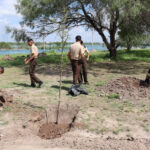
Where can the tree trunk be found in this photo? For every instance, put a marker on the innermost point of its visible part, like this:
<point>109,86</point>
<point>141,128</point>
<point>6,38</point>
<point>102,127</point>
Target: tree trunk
<point>112,49</point>
<point>128,46</point>
<point>111,46</point>
<point>100,29</point>
<point>113,52</point>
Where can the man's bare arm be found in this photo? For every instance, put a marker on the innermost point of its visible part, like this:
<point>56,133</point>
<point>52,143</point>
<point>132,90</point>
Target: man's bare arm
<point>69,56</point>
<point>28,60</point>
<point>88,55</point>
<point>82,56</point>
<point>82,52</point>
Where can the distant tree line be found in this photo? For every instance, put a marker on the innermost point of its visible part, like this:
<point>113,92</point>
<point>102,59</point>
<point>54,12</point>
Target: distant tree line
<point>4,45</point>
<point>49,45</point>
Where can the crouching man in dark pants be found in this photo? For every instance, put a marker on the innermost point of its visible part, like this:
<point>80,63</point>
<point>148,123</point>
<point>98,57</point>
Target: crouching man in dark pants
<point>75,56</point>
<point>33,63</point>
<point>147,79</point>
<point>1,70</point>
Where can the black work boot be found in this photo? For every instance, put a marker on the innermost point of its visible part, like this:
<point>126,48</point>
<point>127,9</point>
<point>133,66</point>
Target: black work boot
<point>40,84</point>
<point>33,85</point>
<point>87,83</point>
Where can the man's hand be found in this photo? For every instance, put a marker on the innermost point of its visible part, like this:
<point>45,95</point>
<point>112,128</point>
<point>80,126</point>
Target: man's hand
<point>26,61</point>
<point>87,59</point>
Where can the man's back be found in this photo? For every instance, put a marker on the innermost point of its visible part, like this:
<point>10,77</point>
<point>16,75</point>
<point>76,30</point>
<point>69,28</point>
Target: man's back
<point>75,51</point>
<point>34,50</point>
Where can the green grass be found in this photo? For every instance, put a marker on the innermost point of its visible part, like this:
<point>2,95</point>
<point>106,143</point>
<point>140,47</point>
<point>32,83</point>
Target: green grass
<point>102,83</point>
<point>6,109</point>
<point>99,56</point>
<point>113,96</point>
<point>117,131</point>
<point>123,55</point>
<point>4,122</point>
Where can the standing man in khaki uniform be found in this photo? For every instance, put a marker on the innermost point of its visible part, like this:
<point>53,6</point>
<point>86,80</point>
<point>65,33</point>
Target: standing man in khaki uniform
<point>33,63</point>
<point>75,55</point>
<point>84,66</point>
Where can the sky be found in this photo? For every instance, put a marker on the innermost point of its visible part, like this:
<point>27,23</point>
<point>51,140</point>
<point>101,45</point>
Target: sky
<point>9,17</point>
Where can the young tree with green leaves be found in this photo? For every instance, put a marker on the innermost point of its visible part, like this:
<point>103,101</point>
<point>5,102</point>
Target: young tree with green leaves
<point>64,36</point>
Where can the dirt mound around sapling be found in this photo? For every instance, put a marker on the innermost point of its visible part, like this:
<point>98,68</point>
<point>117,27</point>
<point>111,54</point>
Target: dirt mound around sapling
<point>5,99</point>
<point>127,88</point>
<point>52,131</point>
<point>66,117</point>
<point>7,58</point>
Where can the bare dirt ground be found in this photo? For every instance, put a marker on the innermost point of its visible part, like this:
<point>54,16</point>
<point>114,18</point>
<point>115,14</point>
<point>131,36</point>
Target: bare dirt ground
<point>126,88</point>
<point>104,122</point>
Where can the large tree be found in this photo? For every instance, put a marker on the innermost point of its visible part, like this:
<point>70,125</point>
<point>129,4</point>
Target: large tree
<point>135,31</point>
<point>102,15</point>
<point>132,34</point>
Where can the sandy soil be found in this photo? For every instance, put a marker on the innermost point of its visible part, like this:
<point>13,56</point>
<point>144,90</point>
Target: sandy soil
<point>77,139</point>
<point>24,139</point>
<point>108,123</point>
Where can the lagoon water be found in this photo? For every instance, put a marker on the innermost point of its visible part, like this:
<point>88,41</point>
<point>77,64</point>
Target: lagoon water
<point>27,51</point>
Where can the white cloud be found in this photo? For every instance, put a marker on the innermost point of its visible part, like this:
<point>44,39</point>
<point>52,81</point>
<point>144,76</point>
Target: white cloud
<point>7,7</point>
<point>3,21</point>
<point>8,17</point>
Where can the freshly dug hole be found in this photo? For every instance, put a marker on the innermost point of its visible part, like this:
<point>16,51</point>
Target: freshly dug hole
<point>67,115</point>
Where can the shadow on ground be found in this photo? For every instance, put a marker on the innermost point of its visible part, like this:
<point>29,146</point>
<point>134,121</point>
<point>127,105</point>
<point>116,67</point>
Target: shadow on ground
<point>67,82</point>
<point>22,84</point>
<point>63,87</point>
<point>125,67</point>
<point>50,68</point>
<point>121,67</point>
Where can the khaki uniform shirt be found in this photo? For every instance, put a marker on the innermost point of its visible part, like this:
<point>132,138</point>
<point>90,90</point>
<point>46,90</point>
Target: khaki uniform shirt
<point>34,50</point>
<point>84,50</point>
<point>76,50</point>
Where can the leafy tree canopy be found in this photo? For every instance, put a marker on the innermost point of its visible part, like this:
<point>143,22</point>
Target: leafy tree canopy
<point>103,15</point>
